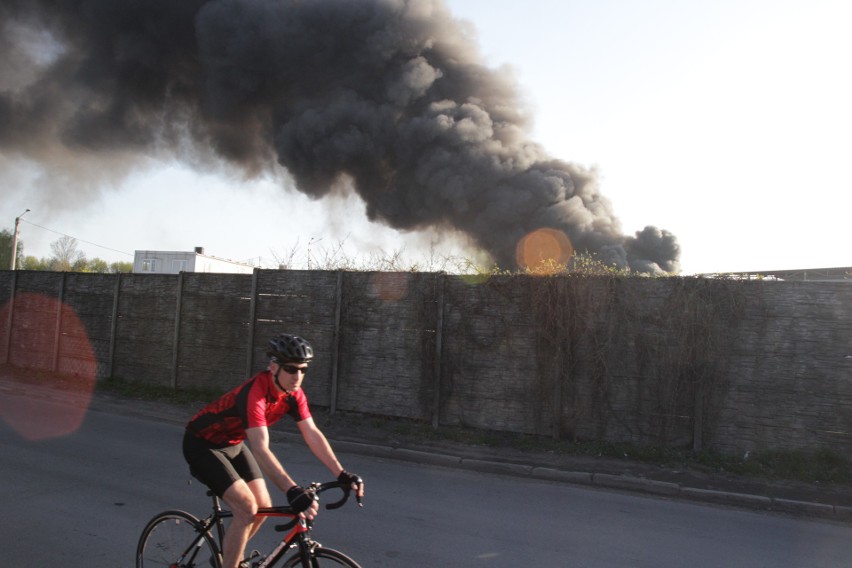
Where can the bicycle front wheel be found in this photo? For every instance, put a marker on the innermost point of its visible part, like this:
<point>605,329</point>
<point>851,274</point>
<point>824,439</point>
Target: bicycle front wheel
<point>175,539</point>
<point>322,558</point>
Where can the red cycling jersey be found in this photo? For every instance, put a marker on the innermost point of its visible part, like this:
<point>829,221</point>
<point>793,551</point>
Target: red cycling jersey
<point>256,402</point>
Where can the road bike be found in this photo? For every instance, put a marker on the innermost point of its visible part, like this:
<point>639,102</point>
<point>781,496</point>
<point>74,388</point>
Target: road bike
<point>177,539</point>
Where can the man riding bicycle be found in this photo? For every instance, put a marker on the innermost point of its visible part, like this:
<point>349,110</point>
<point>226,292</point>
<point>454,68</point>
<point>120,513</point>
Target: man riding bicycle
<point>214,443</point>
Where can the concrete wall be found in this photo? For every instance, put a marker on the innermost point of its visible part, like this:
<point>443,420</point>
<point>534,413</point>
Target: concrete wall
<point>727,365</point>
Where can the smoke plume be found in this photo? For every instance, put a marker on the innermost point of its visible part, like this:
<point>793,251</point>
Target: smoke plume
<point>390,97</point>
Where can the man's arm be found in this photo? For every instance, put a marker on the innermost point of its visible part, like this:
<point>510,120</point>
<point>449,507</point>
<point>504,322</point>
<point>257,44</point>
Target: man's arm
<point>258,439</point>
<point>319,445</point>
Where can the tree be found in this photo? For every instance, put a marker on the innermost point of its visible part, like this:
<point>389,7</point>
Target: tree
<point>66,257</point>
<point>97,265</point>
<point>6,237</point>
<point>125,267</point>
<point>33,263</point>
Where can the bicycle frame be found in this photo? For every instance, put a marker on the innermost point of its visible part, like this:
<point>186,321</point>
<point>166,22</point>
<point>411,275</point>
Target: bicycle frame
<point>298,529</point>
<point>216,518</point>
<point>295,537</point>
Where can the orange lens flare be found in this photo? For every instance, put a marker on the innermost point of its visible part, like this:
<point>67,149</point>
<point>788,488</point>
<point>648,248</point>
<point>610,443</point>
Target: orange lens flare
<point>389,286</point>
<point>51,407</point>
<point>544,250</point>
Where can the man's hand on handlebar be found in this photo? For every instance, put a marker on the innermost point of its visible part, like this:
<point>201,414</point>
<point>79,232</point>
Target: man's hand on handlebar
<point>303,502</point>
<point>354,481</point>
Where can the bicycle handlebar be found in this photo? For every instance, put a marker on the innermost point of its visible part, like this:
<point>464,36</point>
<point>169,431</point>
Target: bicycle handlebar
<point>316,489</point>
<point>344,486</point>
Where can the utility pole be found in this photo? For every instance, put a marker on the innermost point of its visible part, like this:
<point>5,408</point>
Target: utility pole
<point>15,239</point>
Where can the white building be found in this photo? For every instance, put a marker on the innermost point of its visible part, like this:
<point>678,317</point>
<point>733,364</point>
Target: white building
<point>175,262</point>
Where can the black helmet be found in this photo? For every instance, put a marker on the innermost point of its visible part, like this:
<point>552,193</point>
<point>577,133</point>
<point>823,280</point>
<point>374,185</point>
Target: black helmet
<point>288,348</point>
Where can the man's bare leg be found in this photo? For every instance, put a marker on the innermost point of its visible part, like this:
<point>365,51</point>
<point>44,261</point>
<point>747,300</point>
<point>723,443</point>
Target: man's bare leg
<point>243,504</point>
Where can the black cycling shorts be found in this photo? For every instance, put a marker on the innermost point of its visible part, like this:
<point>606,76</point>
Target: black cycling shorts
<point>218,468</point>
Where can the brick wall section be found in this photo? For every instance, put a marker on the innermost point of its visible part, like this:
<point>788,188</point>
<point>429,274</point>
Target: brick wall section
<point>490,373</point>
<point>790,370</point>
<point>387,339</point>
<point>304,303</point>
<point>215,320</point>
<point>91,297</point>
<point>145,328</point>
<point>732,366</point>
<point>33,333</point>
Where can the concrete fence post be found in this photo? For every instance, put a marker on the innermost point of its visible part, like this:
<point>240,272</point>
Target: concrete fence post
<point>252,323</point>
<point>57,332</point>
<point>439,338</point>
<point>335,348</point>
<point>113,332</point>
<point>176,346</point>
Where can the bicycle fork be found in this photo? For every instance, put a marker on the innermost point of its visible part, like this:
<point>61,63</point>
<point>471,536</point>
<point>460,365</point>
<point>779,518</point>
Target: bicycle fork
<point>296,538</point>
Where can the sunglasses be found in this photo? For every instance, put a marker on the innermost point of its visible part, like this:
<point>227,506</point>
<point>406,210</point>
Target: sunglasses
<point>291,370</point>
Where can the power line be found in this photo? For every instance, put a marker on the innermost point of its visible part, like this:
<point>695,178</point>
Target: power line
<point>75,238</point>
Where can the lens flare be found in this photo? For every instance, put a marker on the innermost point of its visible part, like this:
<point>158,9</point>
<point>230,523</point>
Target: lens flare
<point>389,286</point>
<point>55,403</point>
<point>544,250</point>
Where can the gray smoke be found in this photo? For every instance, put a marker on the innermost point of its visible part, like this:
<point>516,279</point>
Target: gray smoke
<point>389,96</point>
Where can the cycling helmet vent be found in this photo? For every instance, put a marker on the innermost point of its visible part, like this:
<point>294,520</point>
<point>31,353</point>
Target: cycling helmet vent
<point>288,348</point>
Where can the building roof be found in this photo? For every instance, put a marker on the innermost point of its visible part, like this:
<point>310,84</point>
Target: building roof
<point>838,274</point>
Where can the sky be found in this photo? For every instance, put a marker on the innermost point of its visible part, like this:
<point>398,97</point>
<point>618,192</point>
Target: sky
<point>727,123</point>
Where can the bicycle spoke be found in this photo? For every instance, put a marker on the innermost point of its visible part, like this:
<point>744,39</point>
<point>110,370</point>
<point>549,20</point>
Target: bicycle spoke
<point>172,540</point>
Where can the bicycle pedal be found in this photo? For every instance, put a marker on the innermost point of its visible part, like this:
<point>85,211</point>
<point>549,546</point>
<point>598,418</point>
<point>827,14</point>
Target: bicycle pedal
<point>247,562</point>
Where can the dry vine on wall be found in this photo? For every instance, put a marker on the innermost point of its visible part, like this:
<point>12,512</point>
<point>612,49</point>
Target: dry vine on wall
<point>635,360</point>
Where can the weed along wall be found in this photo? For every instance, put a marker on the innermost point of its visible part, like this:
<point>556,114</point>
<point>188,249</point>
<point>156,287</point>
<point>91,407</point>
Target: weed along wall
<point>731,366</point>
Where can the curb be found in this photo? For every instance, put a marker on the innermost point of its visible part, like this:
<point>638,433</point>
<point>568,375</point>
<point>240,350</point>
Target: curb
<point>597,480</point>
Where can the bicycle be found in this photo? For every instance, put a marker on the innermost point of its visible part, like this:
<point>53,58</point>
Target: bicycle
<point>177,539</point>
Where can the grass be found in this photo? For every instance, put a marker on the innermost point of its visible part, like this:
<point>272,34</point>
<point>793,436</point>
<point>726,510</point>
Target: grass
<point>820,466</point>
<point>142,391</point>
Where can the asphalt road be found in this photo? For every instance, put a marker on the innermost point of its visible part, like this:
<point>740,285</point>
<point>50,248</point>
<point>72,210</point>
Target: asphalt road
<point>77,493</point>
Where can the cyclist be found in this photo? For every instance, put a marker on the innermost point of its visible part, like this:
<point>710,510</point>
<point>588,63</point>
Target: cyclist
<point>214,443</point>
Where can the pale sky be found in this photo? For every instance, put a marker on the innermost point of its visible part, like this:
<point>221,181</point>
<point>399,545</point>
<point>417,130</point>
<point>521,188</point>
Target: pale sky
<point>728,123</point>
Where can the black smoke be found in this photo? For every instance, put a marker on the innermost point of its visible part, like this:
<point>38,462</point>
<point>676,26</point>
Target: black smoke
<point>387,96</point>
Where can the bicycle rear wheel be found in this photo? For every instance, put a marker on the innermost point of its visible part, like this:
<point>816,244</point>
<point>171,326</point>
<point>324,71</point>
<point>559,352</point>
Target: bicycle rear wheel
<point>322,558</point>
<point>174,539</point>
